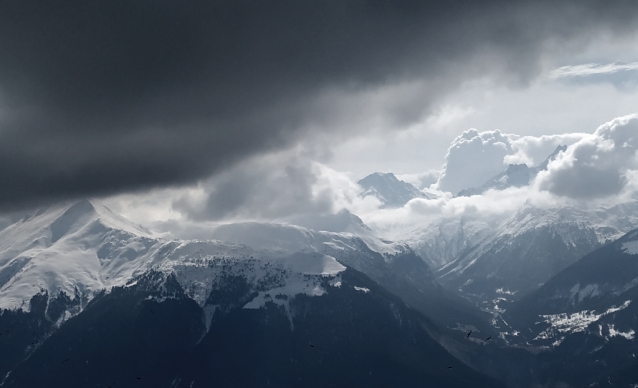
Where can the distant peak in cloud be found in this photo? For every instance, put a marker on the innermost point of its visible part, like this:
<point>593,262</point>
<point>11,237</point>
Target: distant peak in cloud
<point>588,166</point>
<point>516,175</point>
<point>421,181</point>
<point>473,158</point>
<point>552,157</point>
<point>391,191</point>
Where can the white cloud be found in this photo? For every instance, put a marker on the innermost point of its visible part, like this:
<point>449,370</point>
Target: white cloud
<point>291,187</point>
<point>473,158</point>
<point>149,207</point>
<point>545,107</point>
<point>533,150</point>
<point>579,177</point>
<point>278,186</point>
<point>599,165</point>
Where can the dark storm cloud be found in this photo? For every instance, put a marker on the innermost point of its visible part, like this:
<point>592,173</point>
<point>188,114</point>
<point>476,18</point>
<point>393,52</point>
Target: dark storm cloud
<point>260,188</point>
<point>98,97</point>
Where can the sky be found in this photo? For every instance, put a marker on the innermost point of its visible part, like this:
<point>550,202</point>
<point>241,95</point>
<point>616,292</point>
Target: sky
<point>180,114</point>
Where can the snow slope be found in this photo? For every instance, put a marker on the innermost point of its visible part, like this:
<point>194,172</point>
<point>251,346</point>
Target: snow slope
<point>526,250</point>
<point>287,237</point>
<point>595,289</point>
<point>77,248</point>
<point>82,248</point>
<point>573,226</point>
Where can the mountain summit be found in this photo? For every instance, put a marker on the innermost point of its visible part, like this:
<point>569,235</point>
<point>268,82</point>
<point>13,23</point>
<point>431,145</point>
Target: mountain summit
<point>390,190</point>
<point>516,175</point>
<point>76,247</point>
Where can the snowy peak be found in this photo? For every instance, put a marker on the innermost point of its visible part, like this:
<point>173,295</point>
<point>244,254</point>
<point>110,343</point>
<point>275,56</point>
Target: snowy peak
<point>58,221</point>
<point>516,175</point>
<point>608,223</point>
<point>558,150</point>
<point>75,247</point>
<point>76,215</point>
<point>535,244</point>
<point>82,248</point>
<point>522,253</point>
<point>391,191</point>
<point>560,220</point>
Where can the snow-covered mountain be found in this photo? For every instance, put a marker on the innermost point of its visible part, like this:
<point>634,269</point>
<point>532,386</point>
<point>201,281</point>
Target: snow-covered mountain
<point>532,246</point>
<point>585,316</point>
<point>601,283</point>
<point>342,221</point>
<point>393,265</point>
<point>442,240</point>
<point>391,191</point>
<point>80,247</point>
<point>65,269</point>
<point>81,285</point>
<point>516,175</point>
<point>83,247</point>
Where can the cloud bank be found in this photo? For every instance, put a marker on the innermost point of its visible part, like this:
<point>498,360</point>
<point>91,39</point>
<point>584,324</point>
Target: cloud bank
<point>475,157</point>
<point>270,187</point>
<point>597,169</point>
<point>597,166</point>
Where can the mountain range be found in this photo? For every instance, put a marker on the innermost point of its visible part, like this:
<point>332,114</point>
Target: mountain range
<point>532,246</point>
<point>493,260</point>
<point>90,299</point>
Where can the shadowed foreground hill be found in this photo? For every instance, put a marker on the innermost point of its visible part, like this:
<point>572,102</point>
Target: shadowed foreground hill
<point>584,319</point>
<point>153,334</point>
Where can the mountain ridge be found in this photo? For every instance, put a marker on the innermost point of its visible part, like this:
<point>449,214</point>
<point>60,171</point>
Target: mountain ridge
<point>82,266</point>
<point>515,175</point>
<point>391,191</point>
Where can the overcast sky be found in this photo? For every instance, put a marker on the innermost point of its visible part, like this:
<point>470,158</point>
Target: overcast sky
<point>222,109</point>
